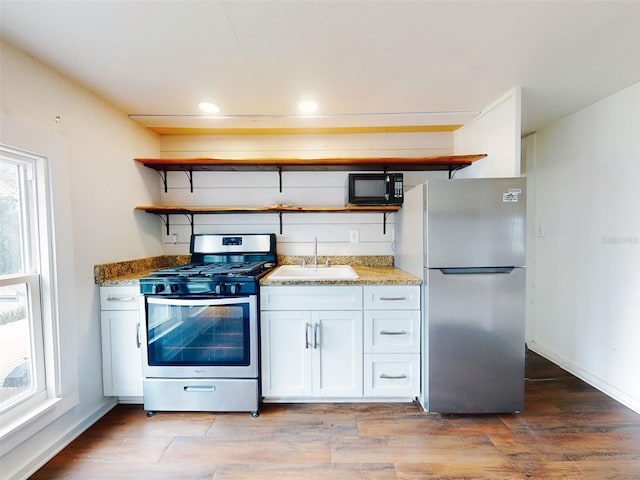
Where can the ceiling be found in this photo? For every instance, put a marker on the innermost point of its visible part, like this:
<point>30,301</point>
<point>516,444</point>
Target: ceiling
<point>366,63</point>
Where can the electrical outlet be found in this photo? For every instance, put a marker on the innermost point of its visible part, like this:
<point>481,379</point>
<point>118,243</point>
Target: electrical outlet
<point>541,231</point>
<point>354,236</point>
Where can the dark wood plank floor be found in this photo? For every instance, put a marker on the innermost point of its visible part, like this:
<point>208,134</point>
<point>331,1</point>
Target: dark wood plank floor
<point>568,430</point>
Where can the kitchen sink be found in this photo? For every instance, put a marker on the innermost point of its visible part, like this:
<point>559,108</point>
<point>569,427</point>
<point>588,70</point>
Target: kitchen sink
<point>298,272</point>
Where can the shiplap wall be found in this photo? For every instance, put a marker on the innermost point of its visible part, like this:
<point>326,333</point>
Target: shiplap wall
<point>308,188</point>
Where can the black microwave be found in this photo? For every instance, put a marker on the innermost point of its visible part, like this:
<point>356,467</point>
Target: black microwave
<point>375,189</point>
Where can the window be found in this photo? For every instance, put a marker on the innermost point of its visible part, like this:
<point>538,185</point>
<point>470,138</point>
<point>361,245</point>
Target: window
<point>24,254</point>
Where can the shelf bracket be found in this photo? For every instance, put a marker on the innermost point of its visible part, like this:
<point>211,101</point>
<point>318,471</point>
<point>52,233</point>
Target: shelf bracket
<point>163,176</point>
<point>165,220</point>
<point>280,218</point>
<point>190,218</point>
<point>454,168</point>
<point>384,222</point>
<point>280,186</point>
<point>189,174</point>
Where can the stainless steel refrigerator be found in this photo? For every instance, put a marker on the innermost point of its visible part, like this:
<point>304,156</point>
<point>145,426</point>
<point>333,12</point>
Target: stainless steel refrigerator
<point>466,239</point>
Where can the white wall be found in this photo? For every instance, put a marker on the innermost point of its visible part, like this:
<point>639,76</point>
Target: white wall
<point>528,156</point>
<point>496,132</point>
<point>587,244</point>
<point>315,188</point>
<point>96,185</point>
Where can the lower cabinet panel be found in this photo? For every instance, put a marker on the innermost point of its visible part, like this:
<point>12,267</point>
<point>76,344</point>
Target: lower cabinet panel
<point>319,344</point>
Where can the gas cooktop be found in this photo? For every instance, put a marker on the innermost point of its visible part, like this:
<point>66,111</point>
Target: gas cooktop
<point>213,269</point>
<point>221,265</point>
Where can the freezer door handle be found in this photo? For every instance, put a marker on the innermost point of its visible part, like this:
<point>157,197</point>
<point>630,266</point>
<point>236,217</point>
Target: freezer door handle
<point>476,270</point>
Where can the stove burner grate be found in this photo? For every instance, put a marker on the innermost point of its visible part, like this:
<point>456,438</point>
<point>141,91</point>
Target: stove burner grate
<point>212,269</point>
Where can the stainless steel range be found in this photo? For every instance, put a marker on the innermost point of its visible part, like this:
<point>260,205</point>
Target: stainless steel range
<point>201,326</point>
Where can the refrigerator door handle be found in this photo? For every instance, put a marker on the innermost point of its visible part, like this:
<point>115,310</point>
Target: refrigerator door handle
<point>475,270</point>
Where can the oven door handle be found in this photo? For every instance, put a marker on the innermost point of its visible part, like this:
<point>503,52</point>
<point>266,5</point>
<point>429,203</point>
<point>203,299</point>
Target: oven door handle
<point>197,302</point>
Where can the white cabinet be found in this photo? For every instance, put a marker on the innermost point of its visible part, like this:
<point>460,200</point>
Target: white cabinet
<point>391,341</point>
<point>121,354</point>
<point>311,341</point>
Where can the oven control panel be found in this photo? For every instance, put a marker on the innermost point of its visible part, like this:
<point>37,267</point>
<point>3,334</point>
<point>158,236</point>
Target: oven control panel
<point>222,288</point>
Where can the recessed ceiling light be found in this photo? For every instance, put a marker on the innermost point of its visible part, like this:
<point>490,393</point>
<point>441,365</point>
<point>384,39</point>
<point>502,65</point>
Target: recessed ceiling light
<point>208,107</point>
<point>308,106</point>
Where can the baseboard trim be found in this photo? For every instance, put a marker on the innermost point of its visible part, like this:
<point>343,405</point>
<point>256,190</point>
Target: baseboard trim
<point>39,459</point>
<point>594,381</point>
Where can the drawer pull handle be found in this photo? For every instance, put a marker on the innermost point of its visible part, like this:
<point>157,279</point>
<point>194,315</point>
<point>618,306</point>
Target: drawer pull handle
<point>120,299</point>
<point>200,388</point>
<point>386,332</point>
<point>393,377</point>
<point>386,299</point>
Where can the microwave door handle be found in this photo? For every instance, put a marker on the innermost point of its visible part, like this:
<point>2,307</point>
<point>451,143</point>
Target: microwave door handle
<point>387,186</point>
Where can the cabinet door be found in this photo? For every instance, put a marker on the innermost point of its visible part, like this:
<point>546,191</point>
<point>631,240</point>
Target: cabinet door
<point>286,340</point>
<point>337,354</point>
<point>121,354</point>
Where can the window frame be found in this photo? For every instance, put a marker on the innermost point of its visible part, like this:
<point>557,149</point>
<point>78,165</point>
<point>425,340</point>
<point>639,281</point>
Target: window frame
<point>19,417</point>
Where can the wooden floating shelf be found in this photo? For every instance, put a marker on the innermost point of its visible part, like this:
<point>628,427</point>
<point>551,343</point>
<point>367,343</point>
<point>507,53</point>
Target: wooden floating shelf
<point>441,162</point>
<point>448,163</point>
<point>189,212</point>
<point>270,209</point>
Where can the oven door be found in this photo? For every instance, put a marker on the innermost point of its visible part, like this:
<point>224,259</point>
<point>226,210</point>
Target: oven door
<point>200,337</point>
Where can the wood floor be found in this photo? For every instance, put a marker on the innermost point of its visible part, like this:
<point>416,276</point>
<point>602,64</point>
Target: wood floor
<point>568,430</point>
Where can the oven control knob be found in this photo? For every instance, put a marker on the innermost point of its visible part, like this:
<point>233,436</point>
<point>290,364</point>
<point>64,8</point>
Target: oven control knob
<point>173,288</point>
<point>234,288</point>
<point>158,288</point>
<point>219,288</point>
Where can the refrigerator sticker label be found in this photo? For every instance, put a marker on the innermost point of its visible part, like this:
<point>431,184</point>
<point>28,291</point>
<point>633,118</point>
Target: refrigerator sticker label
<point>511,195</point>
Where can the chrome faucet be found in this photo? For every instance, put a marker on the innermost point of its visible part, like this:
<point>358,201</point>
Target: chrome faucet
<point>315,251</point>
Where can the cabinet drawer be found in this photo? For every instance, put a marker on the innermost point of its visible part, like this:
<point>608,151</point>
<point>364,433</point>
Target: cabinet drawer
<point>392,297</point>
<point>391,375</point>
<point>201,394</point>
<point>311,298</point>
<point>119,298</point>
<point>392,331</point>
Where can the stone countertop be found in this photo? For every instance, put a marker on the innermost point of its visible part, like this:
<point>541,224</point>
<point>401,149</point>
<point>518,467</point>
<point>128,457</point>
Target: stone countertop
<point>127,273</point>
<point>372,270</point>
<point>368,275</point>
<point>123,281</point>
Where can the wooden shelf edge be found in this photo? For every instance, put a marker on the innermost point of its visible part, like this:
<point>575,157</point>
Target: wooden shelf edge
<point>398,163</point>
<point>171,210</point>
